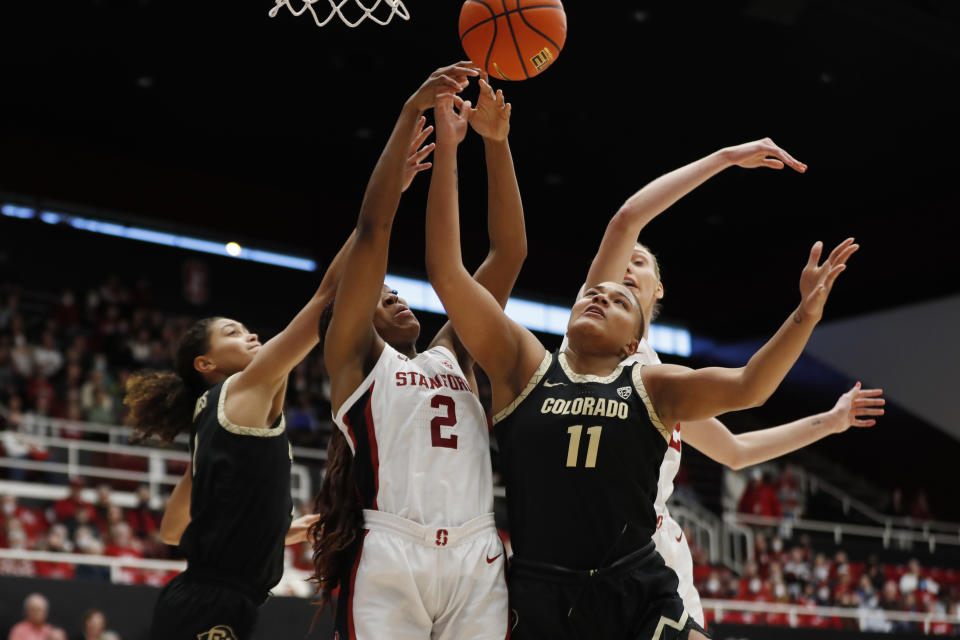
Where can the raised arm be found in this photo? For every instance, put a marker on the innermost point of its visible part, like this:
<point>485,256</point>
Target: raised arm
<point>681,395</point>
<point>712,438</point>
<point>351,340</point>
<point>643,206</point>
<point>506,351</point>
<point>505,226</point>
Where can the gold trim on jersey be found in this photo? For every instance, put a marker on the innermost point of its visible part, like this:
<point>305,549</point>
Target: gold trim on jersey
<point>260,432</point>
<point>534,380</point>
<point>665,621</point>
<point>642,391</point>
<point>580,377</point>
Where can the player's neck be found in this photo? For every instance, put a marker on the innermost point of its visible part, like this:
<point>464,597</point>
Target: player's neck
<point>409,350</point>
<point>590,364</point>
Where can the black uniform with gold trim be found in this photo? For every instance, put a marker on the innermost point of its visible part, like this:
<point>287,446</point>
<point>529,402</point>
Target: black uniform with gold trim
<point>240,511</point>
<point>580,456</point>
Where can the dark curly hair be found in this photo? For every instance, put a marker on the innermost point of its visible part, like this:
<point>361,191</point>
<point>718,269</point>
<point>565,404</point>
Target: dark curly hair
<point>161,402</point>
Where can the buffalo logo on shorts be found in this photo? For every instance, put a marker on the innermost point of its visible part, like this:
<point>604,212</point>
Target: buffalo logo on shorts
<point>624,392</point>
<point>219,632</point>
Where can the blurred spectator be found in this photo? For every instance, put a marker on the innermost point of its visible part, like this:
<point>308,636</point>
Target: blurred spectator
<point>47,358</point>
<point>759,498</point>
<point>796,571</point>
<point>788,492</point>
<point>910,580</point>
<point>820,573</point>
<point>94,624</point>
<point>713,587</point>
<point>920,507</point>
<point>897,507</point>
<point>143,520</point>
<point>33,522</point>
<point>73,509</point>
<point>34,625</point>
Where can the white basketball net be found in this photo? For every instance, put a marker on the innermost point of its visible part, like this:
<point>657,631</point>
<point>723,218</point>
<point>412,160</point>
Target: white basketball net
<point>381,11</point>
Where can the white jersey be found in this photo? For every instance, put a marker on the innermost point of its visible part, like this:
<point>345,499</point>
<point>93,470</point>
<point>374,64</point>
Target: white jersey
<point>668,537</point>
<point>420,440</point>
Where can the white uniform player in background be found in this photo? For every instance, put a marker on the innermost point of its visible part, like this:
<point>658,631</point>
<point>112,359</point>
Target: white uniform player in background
<point>621,258</point>
<point>412,451</point>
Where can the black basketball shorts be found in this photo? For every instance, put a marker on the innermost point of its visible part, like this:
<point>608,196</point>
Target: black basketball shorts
<point>199,609</point>
<point>635,598</point>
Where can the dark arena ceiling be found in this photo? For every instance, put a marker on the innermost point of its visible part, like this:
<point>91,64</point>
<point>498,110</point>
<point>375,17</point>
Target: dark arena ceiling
<point>213,117</point>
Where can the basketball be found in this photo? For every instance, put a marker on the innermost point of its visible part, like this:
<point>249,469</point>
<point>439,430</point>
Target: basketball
<point>513,39</point>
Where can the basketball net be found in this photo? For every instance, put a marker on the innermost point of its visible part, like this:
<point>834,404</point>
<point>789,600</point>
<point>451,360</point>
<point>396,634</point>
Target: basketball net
<point>377,12</point>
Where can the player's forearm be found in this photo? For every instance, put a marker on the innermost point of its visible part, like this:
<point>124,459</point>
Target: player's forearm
<point>769,366</point>
<point>176,516</point>
<point>505,224</point>
<point>766,444</point>
<point>382,196</point>
<point>642,207</point>
<point>444,260</point>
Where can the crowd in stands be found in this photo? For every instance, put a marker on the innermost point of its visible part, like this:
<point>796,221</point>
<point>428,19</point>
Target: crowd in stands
<point>34,626</point>
<point>70,359</point>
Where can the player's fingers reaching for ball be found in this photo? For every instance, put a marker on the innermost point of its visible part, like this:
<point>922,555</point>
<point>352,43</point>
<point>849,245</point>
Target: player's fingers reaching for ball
<point>839,249</point>
<point>423,152</point>
<point>815,252</point>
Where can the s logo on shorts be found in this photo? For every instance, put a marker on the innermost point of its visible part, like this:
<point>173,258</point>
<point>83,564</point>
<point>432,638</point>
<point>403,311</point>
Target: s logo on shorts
<point>219,632</point>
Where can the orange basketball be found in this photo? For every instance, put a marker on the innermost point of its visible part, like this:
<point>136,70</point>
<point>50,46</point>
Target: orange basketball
<point>513,39</point>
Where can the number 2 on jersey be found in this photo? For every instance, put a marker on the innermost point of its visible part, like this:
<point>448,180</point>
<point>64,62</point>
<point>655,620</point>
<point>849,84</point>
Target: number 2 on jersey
<point>573,451</point>
<point>436,436</point>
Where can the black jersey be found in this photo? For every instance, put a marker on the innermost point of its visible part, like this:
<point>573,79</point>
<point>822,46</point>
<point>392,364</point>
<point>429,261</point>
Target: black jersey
<point>240,506</point>
<point>580,457</point>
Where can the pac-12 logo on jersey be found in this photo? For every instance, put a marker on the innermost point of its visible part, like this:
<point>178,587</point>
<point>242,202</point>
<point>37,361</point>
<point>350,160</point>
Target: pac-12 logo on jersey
<point>219,632</point>
<point>624,392</point>
<point>447,364</point>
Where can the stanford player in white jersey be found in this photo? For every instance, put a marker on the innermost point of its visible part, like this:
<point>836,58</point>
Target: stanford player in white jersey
<point>711,437</point>
<point>412,450</point>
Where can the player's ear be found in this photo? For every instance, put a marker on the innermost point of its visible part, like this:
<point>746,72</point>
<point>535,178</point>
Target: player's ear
<point>658,294</point>
<point>629,349</point>
<point>204,364</point>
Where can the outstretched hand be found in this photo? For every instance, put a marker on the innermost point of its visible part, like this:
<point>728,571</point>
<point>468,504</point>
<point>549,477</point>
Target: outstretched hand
<point>491,117</point>
<point>817,279</point>
<point>762,153</point>
<point>854,405</point>
<point>450,79</point>
<point>451,113</point>
<point>415,161</point>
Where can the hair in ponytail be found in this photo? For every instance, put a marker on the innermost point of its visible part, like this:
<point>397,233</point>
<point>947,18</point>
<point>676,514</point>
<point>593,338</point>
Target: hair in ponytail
<point>161,402</point>
<point>340,523</point>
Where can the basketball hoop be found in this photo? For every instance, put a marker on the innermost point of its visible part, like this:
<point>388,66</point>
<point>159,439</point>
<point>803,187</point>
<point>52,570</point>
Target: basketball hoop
<point>377,12</point>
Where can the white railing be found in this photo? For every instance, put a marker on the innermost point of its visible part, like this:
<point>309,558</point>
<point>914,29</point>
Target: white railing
<point>156,458</point>
<point>117,434</point>
<point>115,564</point>
<point>865,616</point>
<point>813,484</point>
<point>886,534</point>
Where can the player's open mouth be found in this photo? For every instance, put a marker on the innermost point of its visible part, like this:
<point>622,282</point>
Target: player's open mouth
<point>630,282</point>
<point>402,313</point>
<point>594,310</point>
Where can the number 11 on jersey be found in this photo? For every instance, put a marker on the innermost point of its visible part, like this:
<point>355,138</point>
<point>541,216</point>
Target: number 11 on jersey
<point>573,450</point>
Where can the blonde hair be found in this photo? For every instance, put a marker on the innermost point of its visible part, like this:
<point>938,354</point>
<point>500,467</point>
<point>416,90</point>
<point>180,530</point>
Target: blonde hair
<point>655,311</point>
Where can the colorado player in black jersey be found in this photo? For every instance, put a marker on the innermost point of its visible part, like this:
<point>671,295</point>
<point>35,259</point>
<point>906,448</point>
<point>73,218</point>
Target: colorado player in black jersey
<point>231,512</point>
<point>582,436</point>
